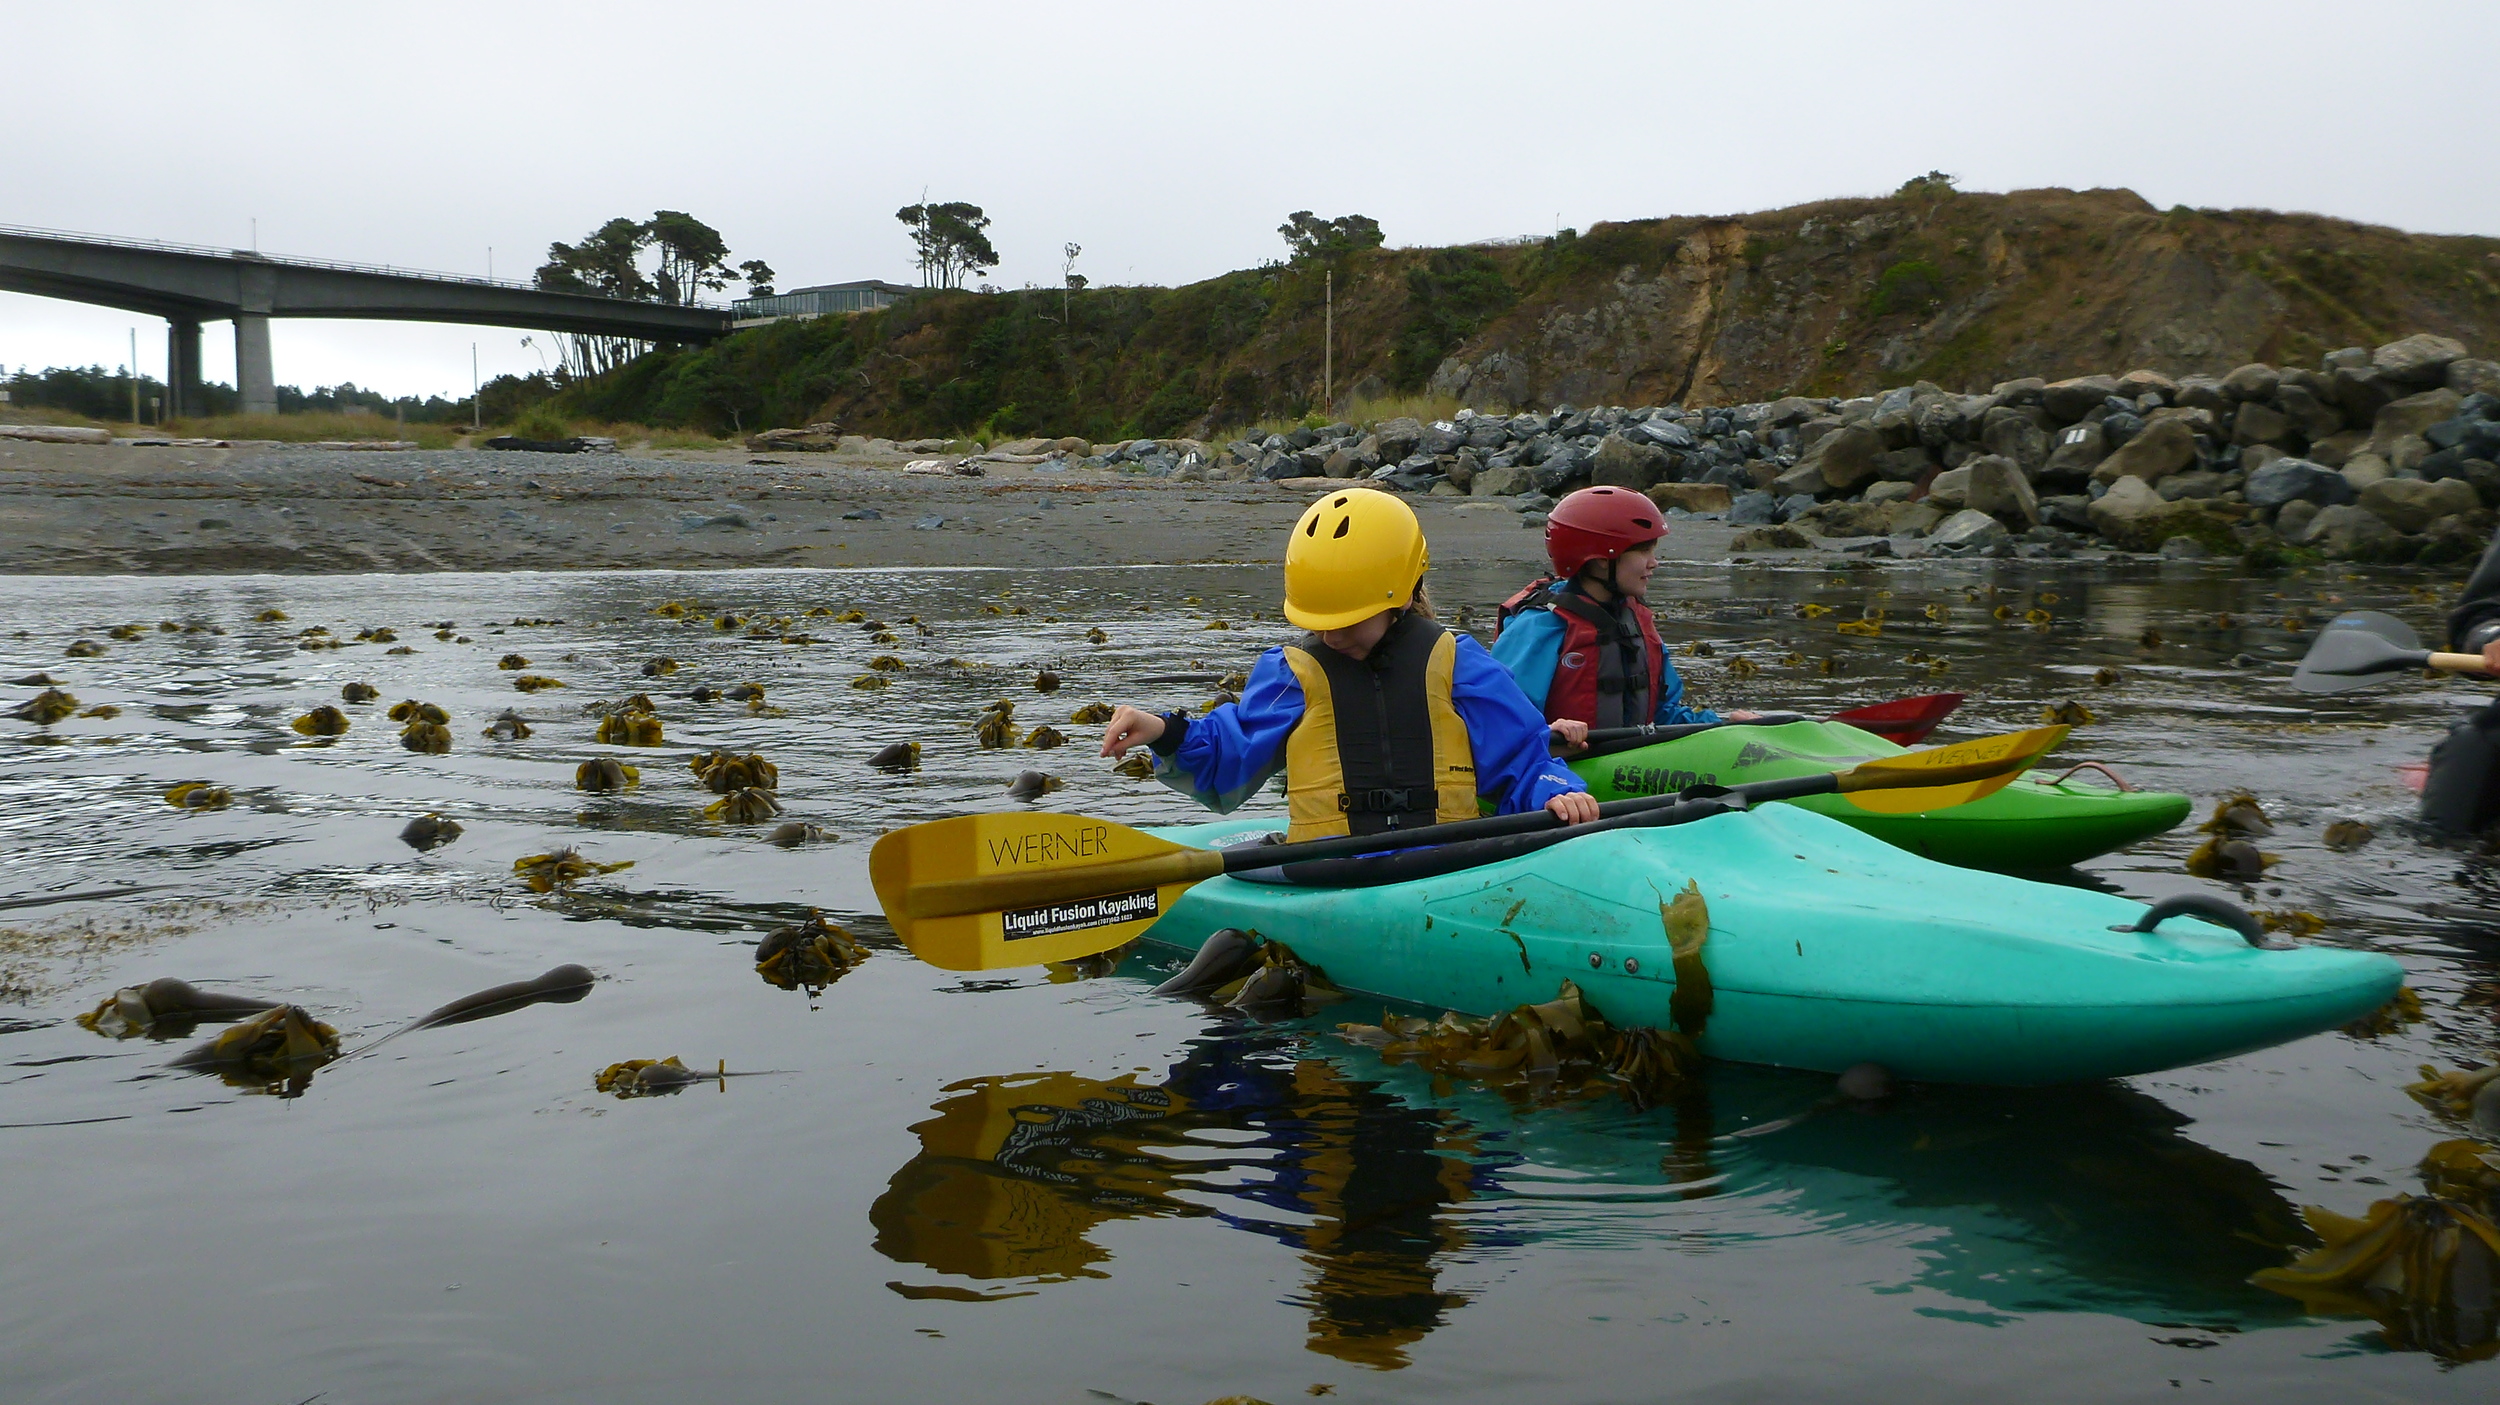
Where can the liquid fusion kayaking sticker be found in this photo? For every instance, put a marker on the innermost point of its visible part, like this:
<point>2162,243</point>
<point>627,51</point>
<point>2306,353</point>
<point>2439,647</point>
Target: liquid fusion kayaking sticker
<point>1076,915</point>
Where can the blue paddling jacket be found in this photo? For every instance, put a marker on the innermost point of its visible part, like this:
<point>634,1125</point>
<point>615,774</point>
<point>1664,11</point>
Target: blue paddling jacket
<point>1471,725</point>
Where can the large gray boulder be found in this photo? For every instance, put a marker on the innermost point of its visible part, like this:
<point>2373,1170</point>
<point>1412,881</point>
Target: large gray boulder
<point>2124,512</point>
<point>1846,456</point>
<point>2259,423</point>
<point>1969,528</point>
<point>2135,385</point>
<point>1998,488</point>
<point>2411,504</point>
<point>1752,510</point>
<point>2295,480</point>
<point>2469,376</point>
<point>1620,463</point>
<point>2308,413</point>
<point>1395,439</point>
<point>1806,479</point>
<point>2079,449</point>
<point>1509,480</point>
<point>1903,465</point>
<point>1440,437</point>
<point>1951,488</point>
<point>2338,448</point>
<point>2165,447</point>
<point>2013,435</point>
<point>2070,400</point>
<point>1694,497</point>
<point>2396,433</point>
<point>2349,531</point>
<point>2420,359</point>
<point>2202,393</point>
<point>2364,469</point>
<point>1848,519</point>
<point>2255,381</point>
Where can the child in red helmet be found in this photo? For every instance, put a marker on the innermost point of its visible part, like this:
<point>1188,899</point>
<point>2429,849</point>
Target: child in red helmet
<point>1582,643</point>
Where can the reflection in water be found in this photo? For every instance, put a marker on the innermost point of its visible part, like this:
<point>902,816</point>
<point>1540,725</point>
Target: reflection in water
<point>1014,1173</point>
<point>2048,1200</point>
<point>2071,1198</point>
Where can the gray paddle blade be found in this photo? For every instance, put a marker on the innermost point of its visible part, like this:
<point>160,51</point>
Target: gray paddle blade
<point>2354,656</point>
<point>2380,623</point>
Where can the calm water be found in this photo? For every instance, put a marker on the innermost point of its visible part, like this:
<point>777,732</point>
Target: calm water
<point>1218,1206</point>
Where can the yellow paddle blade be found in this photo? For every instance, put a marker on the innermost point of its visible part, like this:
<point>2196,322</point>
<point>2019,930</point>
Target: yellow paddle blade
<point>980,892</point>
<point>1944,776</point>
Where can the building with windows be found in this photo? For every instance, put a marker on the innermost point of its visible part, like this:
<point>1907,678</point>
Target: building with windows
<point>819,301</point>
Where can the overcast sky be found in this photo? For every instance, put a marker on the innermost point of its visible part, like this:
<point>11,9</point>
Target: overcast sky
<point>1168,139</point>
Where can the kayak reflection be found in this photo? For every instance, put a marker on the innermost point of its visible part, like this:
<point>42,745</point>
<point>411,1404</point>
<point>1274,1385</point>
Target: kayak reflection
<point>2073,1199</point>
<point>1015,1172</point>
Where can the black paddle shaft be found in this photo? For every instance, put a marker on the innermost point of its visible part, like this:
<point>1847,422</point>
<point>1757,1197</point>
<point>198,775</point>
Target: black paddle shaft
<point>1530,822</point>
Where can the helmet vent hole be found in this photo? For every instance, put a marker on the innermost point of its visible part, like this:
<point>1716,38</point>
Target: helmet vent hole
<point>1342,524</point>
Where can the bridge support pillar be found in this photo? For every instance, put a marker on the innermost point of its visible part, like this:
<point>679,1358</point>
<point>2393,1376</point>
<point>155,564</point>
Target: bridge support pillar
<point>182,368</point>
<point>254,376</point>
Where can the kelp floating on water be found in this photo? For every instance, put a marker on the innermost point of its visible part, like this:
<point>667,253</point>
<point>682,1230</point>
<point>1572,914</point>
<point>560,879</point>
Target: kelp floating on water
<point>812,954</point>
<point>2423,1266</point>
<point>605,773</point>
<point>1562,1039</point>
<point>630,729</point>
<point>322,721</point>
<point>722,772</point>
<point>2238,814</point>
<point>276,1050</point>
<point>45,708</point>
<point>643,1078</point>
<point>547,872</point>
<point>429,831</point>
<point>2465,1093</point>
<point>2235,859</point>
<point>199,795</point>
<point>746,806</point>
<point>138,1009</point>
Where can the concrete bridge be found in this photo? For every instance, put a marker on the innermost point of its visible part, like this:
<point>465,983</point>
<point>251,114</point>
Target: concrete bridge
<point>187,285</point>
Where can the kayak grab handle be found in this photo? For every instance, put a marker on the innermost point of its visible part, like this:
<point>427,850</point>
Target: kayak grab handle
<point>2222,912</point>
<point>2114,778</point>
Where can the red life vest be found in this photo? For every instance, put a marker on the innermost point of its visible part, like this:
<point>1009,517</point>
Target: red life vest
<point>1602,675</point>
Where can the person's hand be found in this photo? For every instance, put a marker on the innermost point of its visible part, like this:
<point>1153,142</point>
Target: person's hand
<point>2491,658</point>
<point>1129,727</point>
<point>1571,735</point>
<point>1742,714</point>
<point>1573,807</point>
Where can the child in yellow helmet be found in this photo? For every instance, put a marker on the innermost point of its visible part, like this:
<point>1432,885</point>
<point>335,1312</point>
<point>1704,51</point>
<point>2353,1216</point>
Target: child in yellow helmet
<point>1380,718</point>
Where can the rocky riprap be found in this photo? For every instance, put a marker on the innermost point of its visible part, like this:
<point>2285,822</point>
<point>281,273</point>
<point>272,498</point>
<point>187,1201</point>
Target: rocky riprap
<point>2388,454</point>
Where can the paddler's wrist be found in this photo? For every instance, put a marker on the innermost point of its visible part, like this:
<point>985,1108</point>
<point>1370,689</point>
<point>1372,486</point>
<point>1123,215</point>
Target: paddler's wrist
<point>1175,729</point>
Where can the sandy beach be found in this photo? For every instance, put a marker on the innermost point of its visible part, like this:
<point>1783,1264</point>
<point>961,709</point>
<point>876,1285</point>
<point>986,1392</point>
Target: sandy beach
<point>70,509</point>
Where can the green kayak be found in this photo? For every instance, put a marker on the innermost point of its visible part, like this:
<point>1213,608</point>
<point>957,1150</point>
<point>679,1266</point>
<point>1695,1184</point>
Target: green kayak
<point>1825,948</point>
<point>2029,824</point>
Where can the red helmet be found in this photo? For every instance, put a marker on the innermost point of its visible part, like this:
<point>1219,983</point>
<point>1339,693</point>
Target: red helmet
<point>1599,524</point>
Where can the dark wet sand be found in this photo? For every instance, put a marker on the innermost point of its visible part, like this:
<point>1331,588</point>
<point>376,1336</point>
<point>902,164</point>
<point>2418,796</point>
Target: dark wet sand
<point>96,510</point>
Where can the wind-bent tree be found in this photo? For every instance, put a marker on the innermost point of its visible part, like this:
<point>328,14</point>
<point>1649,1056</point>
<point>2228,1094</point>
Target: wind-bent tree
<point>950,242</point>
<point>687,258</point>
<point>1314,240</point>
<point>1071,281</point>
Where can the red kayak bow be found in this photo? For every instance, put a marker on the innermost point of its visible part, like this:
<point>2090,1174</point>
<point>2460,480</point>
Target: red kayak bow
<point>1902,721</point>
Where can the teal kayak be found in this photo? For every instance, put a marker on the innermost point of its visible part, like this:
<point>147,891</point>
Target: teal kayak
<point>2034,824</point>
<point>1826,948</point>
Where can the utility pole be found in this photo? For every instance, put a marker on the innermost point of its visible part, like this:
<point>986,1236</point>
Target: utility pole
<point>474,422</point>
<point>490,263</point>
<point>1328,357</point>
<point>134,375</point>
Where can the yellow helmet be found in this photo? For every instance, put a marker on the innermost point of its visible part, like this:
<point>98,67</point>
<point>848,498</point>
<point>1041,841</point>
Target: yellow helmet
<point>1353,555</point>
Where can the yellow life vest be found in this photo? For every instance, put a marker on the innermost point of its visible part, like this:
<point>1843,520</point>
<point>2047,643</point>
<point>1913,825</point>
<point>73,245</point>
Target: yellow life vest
<point>1379,745</point>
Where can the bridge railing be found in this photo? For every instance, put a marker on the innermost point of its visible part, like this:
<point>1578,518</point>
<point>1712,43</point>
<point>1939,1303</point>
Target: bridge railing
<point>162,246</point>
